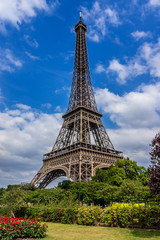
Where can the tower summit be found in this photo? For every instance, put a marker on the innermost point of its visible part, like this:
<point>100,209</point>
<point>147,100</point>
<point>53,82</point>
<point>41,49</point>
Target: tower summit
<point>83,144</point>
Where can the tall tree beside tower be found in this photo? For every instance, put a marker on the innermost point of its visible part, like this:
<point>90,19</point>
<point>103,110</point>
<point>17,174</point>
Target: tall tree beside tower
<point>154,169</point>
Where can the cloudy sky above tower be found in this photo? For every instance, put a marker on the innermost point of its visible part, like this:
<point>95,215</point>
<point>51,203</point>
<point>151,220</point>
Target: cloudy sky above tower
<point>37,43</point>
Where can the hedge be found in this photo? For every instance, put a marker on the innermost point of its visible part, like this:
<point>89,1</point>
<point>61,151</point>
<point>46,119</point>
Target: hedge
<point>117,215</point>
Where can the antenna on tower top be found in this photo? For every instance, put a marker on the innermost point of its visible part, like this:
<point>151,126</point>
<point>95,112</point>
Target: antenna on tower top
<point>80,14</point>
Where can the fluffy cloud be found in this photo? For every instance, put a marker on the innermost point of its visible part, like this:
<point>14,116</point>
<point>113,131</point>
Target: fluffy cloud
<point>137,115</point>
<point>140,34</point>
<point>8,62</point>
<point>139,109</point>
<point>97,18</point>
<point>154,3</point>
<point>25,135</point>
<point>133,69</point>
<point>15,12</point>
<point>147,60</point>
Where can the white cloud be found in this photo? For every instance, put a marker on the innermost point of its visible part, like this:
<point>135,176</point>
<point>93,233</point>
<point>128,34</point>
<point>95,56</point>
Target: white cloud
<point>154,3</point>
<point>8,62</point>
<point>140,34</point>
<point>137,116</point>
<point>58,109</point>
<point>150,53</point>
<point>147,60</point>
<point>25,135</point>
<point>137,109</point>
<point>112,16</point>
<point>123,72</point>
<point>23,106</point>
<point>133,69</point>
<point>47,105</point>
<point>31,42</point>
<point>97,18</point>
<point>134,143</point>
<point>100,68</point>
<point>15,12</point>
<point>32,56</point>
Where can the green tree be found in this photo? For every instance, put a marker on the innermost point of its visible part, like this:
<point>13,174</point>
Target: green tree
<point>113,175</point>
<point>65,184</point>
<point>2,190</point>
<point>14,199</point>
<point>28,187</point>
<point>133,171</point>
<point>154,169</point>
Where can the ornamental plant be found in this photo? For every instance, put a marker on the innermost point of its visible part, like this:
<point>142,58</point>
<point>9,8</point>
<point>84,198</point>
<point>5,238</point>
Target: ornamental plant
<point>13,228</point>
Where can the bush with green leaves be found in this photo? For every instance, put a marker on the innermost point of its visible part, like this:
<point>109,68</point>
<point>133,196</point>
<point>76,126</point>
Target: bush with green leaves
<point>90,215</point>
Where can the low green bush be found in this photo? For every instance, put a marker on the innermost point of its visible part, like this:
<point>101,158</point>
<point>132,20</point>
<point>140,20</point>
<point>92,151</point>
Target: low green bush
<point>117,215</point>
<point>70,216</point>
<point>90,215</point>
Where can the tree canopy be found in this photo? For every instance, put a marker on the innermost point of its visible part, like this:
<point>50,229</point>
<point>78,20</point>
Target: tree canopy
<point>154,169</point>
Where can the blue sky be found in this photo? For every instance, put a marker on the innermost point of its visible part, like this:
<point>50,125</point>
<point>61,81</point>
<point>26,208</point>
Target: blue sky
<point>37,43</point>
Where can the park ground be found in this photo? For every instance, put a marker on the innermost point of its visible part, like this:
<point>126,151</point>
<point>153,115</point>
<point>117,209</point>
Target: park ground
<point>58,231</point>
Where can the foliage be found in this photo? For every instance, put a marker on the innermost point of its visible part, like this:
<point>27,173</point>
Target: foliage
<point>57,196</point>
<point>15,198</point>
<point>65,184</point>
<point>70,215</point>
<point>2,190</point>
<point>89,215</point>
<point>113,176</point>
<point>52,214</point>
<point>118,215</point>
<point>12,228</point>
<point>123,215</point>
<point>125,169</point>
<point>132,170</point>
<point>154,169</point>
<point>28,186</point>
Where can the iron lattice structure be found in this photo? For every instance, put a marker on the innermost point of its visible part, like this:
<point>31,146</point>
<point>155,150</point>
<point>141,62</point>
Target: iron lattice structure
<point>83,144</point>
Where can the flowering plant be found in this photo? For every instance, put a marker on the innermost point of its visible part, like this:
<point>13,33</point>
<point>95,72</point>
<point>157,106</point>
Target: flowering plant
<point>13,228</point>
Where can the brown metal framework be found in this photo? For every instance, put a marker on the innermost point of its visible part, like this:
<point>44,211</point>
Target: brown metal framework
<point>83,144</point>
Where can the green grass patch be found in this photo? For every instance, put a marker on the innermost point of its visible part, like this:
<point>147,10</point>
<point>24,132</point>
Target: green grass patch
<point>58,231</point>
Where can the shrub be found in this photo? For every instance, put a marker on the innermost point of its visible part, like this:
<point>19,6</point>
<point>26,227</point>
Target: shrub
<point>70,216</point>
<point>89,215</point>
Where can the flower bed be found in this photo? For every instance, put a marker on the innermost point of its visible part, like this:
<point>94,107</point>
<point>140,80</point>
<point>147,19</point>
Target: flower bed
<point>13,228</point>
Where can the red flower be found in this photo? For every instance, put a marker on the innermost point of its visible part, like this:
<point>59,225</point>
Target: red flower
<point>6,228</point>
<point>10,229</point>
<point>20,227</point>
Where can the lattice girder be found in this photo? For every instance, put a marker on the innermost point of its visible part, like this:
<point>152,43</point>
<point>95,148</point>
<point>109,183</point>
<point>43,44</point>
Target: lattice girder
<point>83,144</point>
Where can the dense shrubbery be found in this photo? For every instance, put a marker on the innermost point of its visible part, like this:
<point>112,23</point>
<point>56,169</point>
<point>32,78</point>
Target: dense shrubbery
<point>139,215</point>
<point>117,215</point>
<point>89,215</point>
<point>13,228</point>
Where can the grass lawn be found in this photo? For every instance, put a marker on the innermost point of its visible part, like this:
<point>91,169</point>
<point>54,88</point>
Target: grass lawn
<point>58,231</point>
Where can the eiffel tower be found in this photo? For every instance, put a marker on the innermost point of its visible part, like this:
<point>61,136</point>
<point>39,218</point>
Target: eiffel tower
<point>83,144</point>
